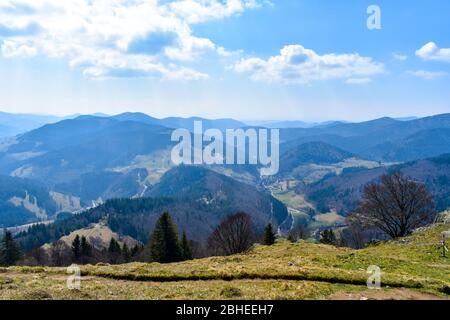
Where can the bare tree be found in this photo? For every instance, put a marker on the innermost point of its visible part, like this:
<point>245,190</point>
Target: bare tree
<point>38,256</point>
<point>234,235</point>
<point>298,233</point>
<point>60,254</point>
<point>352,236</point>
<point>396,206</point>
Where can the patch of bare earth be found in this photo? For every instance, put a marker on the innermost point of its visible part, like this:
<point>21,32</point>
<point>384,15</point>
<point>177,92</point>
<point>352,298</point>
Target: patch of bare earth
<point>391,294</point>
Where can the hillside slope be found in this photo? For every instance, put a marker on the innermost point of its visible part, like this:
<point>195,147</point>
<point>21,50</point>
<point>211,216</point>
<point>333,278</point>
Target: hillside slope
<point>310,153</point>
<point>422,144</point>
<point>343,192</point>
<point>197,199</point>
<point>13,123</point>
<point>24,201</point>
<point>219,193</point>
<point>412,268</point>
<point>99,235</point>
<point>69,155</point>
<point>383,139</point>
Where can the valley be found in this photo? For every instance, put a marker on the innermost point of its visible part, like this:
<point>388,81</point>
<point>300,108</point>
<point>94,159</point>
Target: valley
<point>111,177</point>
<point>250,152</point>
<point>81,162</point>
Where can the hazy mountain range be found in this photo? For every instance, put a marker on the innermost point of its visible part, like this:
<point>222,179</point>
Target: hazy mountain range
<point>76,163</point>
<point>13,124</point>
<point>383,139</point>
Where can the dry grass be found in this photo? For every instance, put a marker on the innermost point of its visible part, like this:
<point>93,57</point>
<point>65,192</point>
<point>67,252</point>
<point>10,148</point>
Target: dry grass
<point>283,271</point>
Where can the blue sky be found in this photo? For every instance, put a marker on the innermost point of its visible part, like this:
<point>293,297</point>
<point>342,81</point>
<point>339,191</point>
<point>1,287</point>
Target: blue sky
<point>247,59</point>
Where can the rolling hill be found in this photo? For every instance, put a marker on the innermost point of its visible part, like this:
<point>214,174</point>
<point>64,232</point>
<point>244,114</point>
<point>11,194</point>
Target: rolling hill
<point>103,185</point>
<point>99,235</point>
<point>103,157</point>
<point>197,198</point>
<point>310,153</point>
<point>420,145</point>
<point>381,139</point>
<point>7,131</point>
<point>66,154</point>
<point>63,154</point>
<point>412,268</point>
<point>219,192</point>
<point>12,124</point>
<point>23,201</point>
<point>178,122</point>
<point>342,192</point>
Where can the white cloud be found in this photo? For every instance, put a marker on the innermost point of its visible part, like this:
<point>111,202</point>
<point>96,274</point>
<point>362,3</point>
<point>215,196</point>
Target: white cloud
<point>358,80</point>
<point>427,75</point>
<point>196,11</point>
<point>431,51</point>
<point>106,38</point>
<point>400,57</point>
<point>225,53</point>
<point>111,64</point>
<point>298,65</point>
<point>12,49</point>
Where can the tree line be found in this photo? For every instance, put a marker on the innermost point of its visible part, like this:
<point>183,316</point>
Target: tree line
<point>235,234</point>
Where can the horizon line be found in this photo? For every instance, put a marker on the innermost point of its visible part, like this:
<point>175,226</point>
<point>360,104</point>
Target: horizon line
<point>267,121</point>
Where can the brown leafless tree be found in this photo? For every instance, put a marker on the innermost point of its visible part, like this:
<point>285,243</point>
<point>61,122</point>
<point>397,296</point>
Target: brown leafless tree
<point>298,233</point>
<point>352,236</point>
<point>234,235</point>
<point>396,206</point>
<point>60,254</point>
<point>38,256</point>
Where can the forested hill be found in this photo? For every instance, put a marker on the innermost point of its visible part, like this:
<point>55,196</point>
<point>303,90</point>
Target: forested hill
<point>342,192</point>
<point>199,200</point>
<point>23,201</point>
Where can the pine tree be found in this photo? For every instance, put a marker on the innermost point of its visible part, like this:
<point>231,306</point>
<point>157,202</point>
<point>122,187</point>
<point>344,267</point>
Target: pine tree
<point>269,235</point>
<point>126,253</point>
<point>186,248</point>
<point>76,248</point>
<point>134,251</point>
<point>9,250</point>
<point>163,244</point>
<point>327,237</point>
<point>86,249</point>
<point>114,251</point>
<point>114,246</point>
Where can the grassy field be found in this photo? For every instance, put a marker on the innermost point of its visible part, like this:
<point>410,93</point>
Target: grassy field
<point>310,173</point>
<point>293,200</point>
<point>412,268</point>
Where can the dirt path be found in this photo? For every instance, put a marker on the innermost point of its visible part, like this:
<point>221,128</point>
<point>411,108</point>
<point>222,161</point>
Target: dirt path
<point>391,294</point>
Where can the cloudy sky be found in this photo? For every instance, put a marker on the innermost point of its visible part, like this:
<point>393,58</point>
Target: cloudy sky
<point>247,59</point>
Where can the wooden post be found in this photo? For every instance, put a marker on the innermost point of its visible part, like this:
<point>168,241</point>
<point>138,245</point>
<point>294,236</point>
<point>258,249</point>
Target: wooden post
<point>445,249</point>
<point>444,245</point>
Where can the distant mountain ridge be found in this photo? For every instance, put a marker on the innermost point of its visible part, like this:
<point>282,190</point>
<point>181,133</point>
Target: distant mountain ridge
<point>178,122</point>
<point>366,139</point>
<point>12,124</point>
<point>419,145</point>
<point>291,124</point>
